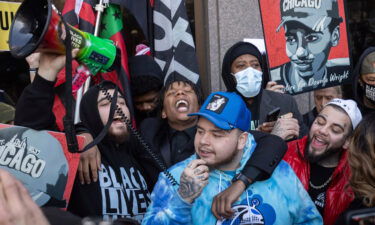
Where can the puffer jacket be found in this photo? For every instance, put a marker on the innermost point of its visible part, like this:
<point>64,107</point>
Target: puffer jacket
<point>339,195</point>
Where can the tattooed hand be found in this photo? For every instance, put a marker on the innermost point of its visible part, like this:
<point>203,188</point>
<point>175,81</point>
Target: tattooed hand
<point>193,180</point>
<point>286,128</point>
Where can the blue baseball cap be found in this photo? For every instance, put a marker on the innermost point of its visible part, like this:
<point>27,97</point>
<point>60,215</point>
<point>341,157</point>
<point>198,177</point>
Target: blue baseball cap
<point>226,110</point>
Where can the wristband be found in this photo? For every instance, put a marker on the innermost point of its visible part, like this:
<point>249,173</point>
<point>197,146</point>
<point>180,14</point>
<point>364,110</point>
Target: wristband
<point>242,178</point>
<point>33,70</point>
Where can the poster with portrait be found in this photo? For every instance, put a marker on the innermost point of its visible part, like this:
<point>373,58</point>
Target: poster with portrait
<point>41,161</point>
<point>306,43</point>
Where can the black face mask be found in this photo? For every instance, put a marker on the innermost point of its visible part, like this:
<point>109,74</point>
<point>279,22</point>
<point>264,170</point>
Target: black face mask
<point>370,93</point>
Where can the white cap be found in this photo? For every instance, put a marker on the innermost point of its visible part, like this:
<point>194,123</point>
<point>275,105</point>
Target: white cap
<point>350,108</point>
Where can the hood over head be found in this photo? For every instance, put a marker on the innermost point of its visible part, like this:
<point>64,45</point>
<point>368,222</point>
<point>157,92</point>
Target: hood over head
<point>89,112</point>
<point>358,90</point>
<point>146,75</point>
<point>145,65</point>
<point>238,49</point>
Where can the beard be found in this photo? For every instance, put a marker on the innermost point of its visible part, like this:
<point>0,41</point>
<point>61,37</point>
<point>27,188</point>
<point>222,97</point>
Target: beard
<point>309,156</point>
<point>118,137</point>
<point>225,162</point>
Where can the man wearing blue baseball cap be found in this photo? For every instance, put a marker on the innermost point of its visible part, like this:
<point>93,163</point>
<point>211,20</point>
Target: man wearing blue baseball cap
<point>223,145</point>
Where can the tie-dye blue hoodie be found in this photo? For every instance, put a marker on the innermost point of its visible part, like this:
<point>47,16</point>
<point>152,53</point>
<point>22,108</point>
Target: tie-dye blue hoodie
<point>279,200</point>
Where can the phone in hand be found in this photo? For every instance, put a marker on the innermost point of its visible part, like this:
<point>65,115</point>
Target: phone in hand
<point>361,216</point>
<point>273,115</point>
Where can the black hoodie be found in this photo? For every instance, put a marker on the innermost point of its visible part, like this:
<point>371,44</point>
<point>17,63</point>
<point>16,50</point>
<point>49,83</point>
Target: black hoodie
<point>121,190</point>
<point>146,76</point>
<point>358,89</point>
<point>266,100</point>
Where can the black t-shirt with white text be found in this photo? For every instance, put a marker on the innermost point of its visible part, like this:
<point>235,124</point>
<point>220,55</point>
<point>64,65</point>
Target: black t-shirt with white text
<point>320,178</point>
<point>120,192</point>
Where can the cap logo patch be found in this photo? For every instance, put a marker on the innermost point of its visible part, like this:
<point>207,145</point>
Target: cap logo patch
<point>342,104</point>
<point>217,103</point>
<point>291,4</point>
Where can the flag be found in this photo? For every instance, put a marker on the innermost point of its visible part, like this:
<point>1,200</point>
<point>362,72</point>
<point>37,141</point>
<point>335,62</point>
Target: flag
<point>72,9</point>
<point>82,15</point>
<point>111,27</point>
<point>174,48</point>
<point>139,9</point>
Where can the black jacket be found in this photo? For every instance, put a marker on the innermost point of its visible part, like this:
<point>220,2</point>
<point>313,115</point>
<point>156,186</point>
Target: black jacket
<point>122,189</point>
<point>268,153</point>
<point>34,107</point>
<point>356,204</point>
<point>271,99</point>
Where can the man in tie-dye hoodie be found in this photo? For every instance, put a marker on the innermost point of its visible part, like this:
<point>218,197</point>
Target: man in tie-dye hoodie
<point>222,148</point>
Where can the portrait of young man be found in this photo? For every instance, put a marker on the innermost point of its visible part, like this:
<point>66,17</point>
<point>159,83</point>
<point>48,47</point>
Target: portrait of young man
<point>315,43</point>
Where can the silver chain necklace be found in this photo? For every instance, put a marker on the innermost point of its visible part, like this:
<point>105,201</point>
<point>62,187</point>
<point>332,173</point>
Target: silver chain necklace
<point>323,185</point>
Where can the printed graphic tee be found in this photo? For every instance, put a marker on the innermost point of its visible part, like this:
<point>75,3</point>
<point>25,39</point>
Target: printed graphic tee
<point>120,192</point>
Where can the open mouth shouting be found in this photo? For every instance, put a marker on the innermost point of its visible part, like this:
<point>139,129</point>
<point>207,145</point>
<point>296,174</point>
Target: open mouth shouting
<point>117,120</point>
<point>182,106</point>
<point>318,142</point>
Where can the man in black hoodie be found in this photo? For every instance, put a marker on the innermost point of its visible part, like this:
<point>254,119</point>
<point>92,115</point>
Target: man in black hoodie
<point>364,81</point>
<point>121,190</point>
<point>146,83</point>
<point>242,73</point>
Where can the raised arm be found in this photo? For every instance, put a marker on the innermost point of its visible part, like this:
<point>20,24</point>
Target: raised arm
<point>34,108</point>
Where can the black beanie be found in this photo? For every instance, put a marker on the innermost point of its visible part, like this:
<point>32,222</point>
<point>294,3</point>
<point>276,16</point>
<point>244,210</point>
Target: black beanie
<point>144,65</point>
<point>238,49</point>
<point>146,75</point>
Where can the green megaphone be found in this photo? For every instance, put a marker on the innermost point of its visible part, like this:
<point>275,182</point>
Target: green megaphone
<point>37,27</point>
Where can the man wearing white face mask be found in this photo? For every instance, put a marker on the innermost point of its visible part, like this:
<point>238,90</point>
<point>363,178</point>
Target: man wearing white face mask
<point>246,78</point>
<point>242,73</point>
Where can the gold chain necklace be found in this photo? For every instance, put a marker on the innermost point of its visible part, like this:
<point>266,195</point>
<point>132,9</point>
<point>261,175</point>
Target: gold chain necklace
<point>323,185</point>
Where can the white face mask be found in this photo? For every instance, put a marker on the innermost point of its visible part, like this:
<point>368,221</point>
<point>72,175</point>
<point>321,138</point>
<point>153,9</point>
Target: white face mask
<point>249,82</point>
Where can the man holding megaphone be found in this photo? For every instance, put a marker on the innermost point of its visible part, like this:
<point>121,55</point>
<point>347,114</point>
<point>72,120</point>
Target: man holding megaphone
<point>120,177</point>
<point>38,27</point>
